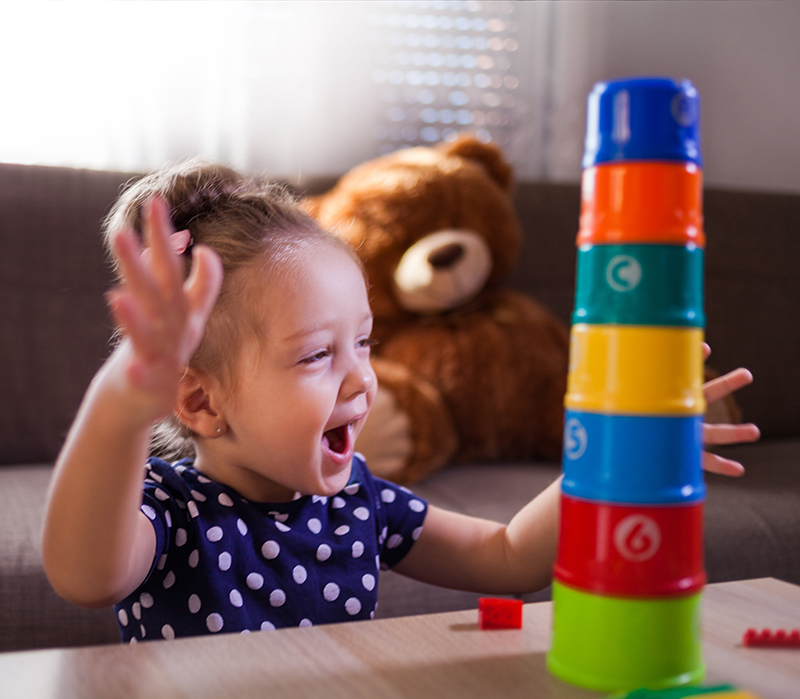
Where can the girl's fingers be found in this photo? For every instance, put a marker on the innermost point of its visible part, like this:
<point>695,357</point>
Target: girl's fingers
<point>163,316</point>
<point>725,385</point>
<point>730,434</point>
<point>706,350</point>
<point>133,322</point>
<point>201,289</point>
<point>204,282</point>
<point>164,262</point>
<point>713,463</point>
<point>134,269</point>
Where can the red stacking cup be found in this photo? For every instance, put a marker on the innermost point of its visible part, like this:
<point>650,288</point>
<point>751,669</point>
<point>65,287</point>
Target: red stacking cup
<point>630,550</point>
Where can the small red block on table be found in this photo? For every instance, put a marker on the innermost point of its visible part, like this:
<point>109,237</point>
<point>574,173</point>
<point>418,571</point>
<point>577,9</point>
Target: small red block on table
<point>781,638</point>
<point>498,613</point>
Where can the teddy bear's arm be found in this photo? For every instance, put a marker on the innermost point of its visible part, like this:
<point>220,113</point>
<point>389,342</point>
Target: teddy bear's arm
<point>409,432</point>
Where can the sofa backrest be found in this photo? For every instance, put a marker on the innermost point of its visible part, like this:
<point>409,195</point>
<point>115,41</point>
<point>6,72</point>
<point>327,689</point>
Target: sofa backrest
<point>56,328</point>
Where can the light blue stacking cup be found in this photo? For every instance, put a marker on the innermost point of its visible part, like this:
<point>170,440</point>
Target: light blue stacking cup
<point>633,459</point>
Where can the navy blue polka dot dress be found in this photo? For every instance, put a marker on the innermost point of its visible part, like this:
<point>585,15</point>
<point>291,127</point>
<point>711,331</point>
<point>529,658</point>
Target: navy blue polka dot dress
<point>225,564</point>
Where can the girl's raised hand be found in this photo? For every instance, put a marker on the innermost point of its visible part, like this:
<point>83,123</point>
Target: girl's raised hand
<point>162,316</point>
<point>726,434</point>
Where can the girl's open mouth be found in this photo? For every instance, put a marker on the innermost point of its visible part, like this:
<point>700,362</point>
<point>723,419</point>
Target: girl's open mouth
<point>338,441</point>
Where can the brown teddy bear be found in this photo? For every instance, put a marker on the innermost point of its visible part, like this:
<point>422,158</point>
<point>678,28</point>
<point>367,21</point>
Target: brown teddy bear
<point>467,370</point>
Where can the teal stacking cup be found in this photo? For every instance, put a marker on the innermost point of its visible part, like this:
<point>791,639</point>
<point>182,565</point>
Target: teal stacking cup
<point>646,284</point>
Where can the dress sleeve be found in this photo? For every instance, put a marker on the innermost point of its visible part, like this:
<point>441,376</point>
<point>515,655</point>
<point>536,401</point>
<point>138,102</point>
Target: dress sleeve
<point>401,517</point>
<point>158,505</point>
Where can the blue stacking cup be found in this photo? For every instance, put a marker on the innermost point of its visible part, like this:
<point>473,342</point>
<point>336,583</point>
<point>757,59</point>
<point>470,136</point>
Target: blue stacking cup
<point>633,459</point>
<point>645,118</point>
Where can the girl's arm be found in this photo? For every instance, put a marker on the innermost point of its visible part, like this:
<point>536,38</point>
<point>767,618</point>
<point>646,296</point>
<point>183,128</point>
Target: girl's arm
<point>478,555</point>
<point>97,544</point>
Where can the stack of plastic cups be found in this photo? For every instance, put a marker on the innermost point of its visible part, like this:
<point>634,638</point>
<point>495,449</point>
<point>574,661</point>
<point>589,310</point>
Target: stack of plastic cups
<point>629,572</point>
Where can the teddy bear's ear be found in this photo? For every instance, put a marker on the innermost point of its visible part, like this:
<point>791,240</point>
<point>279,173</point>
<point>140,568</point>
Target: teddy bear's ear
<point>487,154</point>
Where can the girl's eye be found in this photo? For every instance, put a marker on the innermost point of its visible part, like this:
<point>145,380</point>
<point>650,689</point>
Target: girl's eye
<point>316,357</point>
<point>369,343</point>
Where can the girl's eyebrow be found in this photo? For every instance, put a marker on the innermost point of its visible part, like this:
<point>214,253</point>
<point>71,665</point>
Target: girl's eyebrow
<point>310,330</point>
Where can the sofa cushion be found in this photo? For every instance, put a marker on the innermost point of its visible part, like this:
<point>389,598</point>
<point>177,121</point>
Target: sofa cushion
<point>31,614</point>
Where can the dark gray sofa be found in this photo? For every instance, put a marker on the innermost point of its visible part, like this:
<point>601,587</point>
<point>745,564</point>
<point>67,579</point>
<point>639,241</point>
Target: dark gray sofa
<point>55,331</point>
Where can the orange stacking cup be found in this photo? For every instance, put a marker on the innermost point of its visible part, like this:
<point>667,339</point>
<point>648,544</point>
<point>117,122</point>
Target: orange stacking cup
<point>642,202</point>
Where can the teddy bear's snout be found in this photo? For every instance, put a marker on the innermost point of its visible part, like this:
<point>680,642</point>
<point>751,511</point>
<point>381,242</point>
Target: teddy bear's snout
<point>442,271</point>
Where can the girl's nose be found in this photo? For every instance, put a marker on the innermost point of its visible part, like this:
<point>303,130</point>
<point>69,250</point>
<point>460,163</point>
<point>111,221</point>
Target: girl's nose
<point>359,379</point>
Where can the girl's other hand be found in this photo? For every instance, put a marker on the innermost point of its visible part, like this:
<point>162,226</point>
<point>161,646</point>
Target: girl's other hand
<point>162,316</point>
<point>726,434</point>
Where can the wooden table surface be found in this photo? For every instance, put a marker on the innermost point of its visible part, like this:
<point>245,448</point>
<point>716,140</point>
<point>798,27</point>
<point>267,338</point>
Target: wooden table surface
<point>436,655</point>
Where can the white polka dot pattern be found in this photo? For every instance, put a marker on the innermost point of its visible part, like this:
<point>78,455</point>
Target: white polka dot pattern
<point>255,581</point>
<point>300,574</point>
<point>270,549</point>
<point>214,622</point>
<point>224,564</point>
<point>330,592</point>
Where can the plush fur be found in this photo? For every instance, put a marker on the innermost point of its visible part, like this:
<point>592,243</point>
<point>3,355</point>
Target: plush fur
<point>468,370</point>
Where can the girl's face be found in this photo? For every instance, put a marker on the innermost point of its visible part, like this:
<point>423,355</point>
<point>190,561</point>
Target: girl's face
<point>304,390</point>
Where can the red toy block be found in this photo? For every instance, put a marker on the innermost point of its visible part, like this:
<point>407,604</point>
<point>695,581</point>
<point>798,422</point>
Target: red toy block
<point>769,639</point>
<point>498,613</point>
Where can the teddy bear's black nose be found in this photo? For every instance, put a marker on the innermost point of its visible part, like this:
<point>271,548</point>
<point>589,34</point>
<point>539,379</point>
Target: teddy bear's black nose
<point>446,255</point>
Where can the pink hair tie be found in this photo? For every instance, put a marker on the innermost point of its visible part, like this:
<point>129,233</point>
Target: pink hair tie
<point>180,241</point>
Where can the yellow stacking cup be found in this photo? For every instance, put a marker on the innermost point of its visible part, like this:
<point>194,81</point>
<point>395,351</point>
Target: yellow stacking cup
<point>632,369</point>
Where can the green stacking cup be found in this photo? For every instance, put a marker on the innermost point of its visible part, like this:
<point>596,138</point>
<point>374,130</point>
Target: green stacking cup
<point>619,644</point>
<point>640,285</point>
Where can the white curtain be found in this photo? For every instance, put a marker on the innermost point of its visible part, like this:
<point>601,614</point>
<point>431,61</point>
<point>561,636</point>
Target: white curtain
<point>293,89</point>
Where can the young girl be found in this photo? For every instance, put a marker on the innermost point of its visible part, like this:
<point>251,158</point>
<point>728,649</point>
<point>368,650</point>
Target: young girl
<point>247,334</point>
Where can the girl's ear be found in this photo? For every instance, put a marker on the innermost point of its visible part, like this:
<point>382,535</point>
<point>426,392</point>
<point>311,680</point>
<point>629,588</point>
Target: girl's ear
<point>196,405</point>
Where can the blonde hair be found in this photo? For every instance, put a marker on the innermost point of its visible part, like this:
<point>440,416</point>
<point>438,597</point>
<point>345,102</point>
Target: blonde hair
<point>248,221</point>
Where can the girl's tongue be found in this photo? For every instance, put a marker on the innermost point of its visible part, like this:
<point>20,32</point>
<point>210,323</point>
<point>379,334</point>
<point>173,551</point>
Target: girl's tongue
<point>336,439</point>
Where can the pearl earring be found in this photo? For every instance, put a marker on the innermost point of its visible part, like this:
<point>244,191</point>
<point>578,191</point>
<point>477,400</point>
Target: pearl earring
<point>219,430</point>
